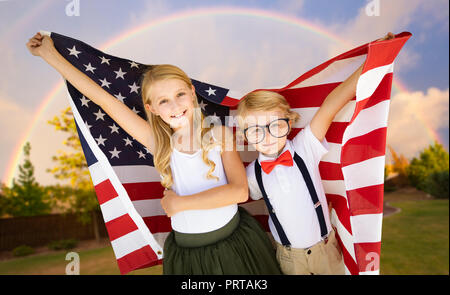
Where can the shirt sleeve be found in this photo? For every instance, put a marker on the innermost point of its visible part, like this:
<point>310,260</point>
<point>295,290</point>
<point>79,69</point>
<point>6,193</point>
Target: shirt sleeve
<point>307,141</point>
<point>254,191</point>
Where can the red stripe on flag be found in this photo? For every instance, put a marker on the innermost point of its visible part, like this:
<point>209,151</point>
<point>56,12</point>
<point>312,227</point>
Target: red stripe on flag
<point>105,191</point>
<point>158,223</point>
<point>144,190</point>
<point>333,135</point>
<point>339,204</point>
<point>137,259</point>
<point>307,97</point>
<point>230,102</point>
<point>330,171</point>
<point>364,147</point>
<point>368,256</point>
<point>348,259</point>
<point>120,226</point>
<point>382,93</point>
<point>384,52</point>
<point>366,200</point>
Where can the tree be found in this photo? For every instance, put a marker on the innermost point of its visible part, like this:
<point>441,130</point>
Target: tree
<point>429,172</point>
<point>80,196</point>
<point>399,165</point>
<point>25,197</point>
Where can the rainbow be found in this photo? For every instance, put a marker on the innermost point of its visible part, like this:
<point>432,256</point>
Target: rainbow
<point>178,17</point>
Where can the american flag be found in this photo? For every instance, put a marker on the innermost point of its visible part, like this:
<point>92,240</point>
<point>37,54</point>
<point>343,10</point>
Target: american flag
<point>128,186</point>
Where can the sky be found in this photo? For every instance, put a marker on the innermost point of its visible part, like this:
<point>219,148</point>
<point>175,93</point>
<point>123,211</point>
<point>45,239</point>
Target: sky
<point>237,48</point>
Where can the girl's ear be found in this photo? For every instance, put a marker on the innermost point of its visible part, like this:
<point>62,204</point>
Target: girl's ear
<point>150,108</point>
<point>193,90</point>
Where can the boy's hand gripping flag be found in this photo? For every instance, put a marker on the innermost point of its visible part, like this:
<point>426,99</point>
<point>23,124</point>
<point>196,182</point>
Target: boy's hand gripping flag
<point>128,186</point>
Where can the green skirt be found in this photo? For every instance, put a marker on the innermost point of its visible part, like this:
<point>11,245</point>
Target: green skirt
<point>240,247</point>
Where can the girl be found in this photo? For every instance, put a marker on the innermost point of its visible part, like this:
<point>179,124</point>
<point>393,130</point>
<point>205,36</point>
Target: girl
<point>211,234</point>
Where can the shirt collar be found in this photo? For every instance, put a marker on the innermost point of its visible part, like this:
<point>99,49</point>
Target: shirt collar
<point>287,147</point>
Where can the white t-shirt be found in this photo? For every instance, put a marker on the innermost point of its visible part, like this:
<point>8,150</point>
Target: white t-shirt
<point>189,177</point>
<point>288,193</point>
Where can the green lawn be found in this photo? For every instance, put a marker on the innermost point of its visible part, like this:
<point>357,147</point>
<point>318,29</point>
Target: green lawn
<point>93,261</point>
<point>414,241</point>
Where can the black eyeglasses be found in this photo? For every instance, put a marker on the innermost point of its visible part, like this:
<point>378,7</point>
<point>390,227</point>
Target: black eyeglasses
<point>277,128</point>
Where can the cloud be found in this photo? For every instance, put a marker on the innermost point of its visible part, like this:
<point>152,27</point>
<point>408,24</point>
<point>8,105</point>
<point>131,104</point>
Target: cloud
<point>291,6</point>
<point>394,16</point>
<point>412,116</point>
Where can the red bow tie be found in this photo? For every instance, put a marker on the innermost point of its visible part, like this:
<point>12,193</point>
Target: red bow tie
<point>284,159</point>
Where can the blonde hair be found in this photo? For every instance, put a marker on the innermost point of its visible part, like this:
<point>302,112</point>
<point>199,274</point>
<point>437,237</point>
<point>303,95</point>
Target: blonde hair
<point>263,100</point>
<point>163,132</point>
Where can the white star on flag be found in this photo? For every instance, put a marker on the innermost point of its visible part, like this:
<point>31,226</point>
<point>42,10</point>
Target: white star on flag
<point>202,105</point>
<point>211,91</point>
<point>115,153</point>
<point>84,101</point>
<point>128,141</point>
<point>119,96</point>
<point>105,60</point>
<point>120,73</point>
<point>100,140</point>
<point>134,110</point>
<point>99,115</point>
<point>134,87</point>
<point>87,125</point>
<point>141,154</point>
<point>74,51</point>
<point>89,68</point>
<point>105,82</point>
<point>133,64</point>
<point>114,128</point>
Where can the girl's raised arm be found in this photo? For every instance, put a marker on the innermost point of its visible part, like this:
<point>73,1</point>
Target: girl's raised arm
<point>133,124</point>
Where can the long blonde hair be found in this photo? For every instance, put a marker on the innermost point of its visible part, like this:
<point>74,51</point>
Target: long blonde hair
<point>163,132</point>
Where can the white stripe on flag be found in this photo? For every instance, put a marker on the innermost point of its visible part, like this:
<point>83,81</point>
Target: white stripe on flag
<point>306,114</point>
<point>369,81</point>
<point>128,243</point>
<point>112,209</point>
<point>334,153</point>
<point>369,119</point>
<point>366,228</point>
<point>335,187</point>
<point>97,174</point>
<point>346,237</point>
<point>364,173</point>
<point>140,174</point>
<point>338,71</point>
<point>147,208</point>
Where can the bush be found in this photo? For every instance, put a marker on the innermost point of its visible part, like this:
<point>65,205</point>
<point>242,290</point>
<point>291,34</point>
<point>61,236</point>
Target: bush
<point>22,250</point>
<point>436,184</point>
<point>63,244</point>
<point>429,172</point>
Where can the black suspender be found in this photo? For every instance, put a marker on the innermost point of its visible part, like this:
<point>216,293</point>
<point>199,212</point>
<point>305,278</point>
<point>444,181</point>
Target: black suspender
<point>312,192</point>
